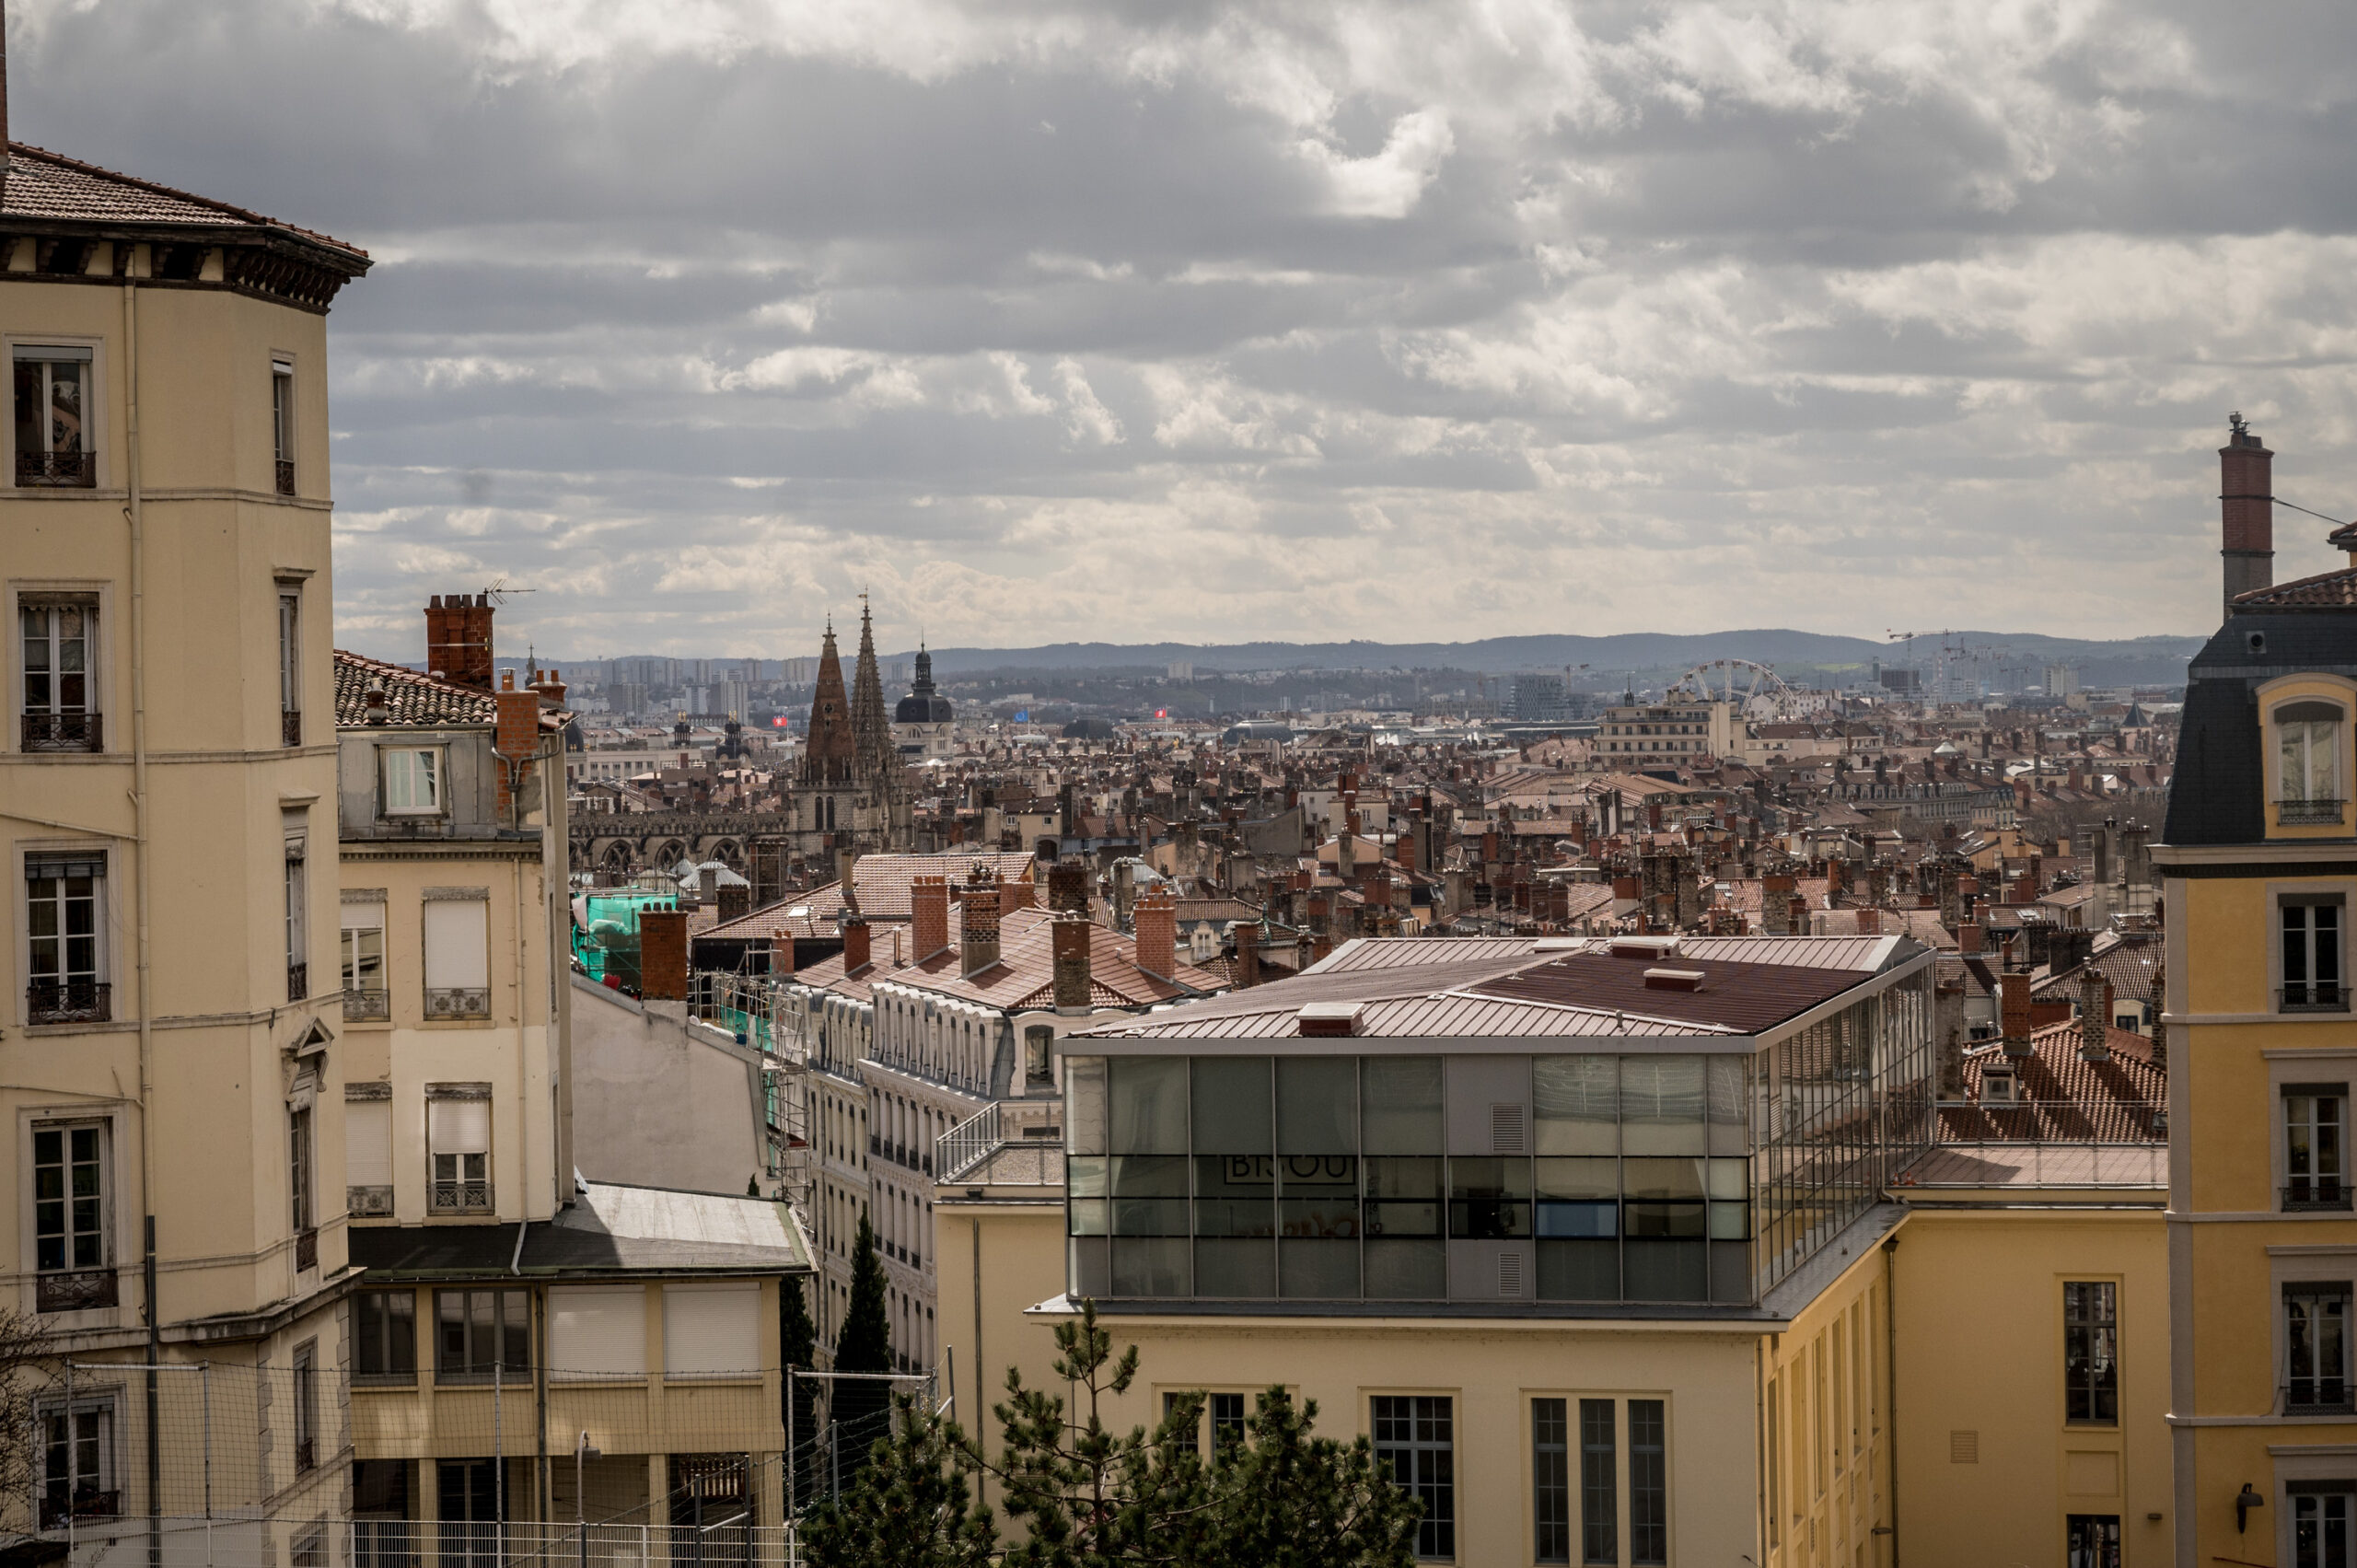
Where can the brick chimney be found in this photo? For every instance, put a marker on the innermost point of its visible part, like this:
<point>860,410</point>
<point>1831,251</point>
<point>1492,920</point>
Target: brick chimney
<point>1158,932</point>
<point>550,684</point>
<point>858,951</point>
<point>1776,905</point>
<point>458,638</point>
<point>782,953</point>
<point>1068,886</point>
<point>977,923</point>
<point>2012,992</point>
<point>928,916</point>
<point>2094,1017</point>
<point>2245,511</point>
<point>736,901</point>
<point>1869,920</point>
<point>1968,938</point>
<point>1247,954</point>
<point>1068,941</point>
<point>663,955</point>
<point>516,735</point>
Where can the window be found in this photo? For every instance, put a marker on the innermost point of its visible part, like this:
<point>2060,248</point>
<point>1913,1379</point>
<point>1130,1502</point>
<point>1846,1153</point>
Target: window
<point>298,920</point>
<point>2090,1352</point>
<point>72,1227</point>
<point>2313,1118</point>
<point>67,980</point>
<point>1229,1422</point>
<point>307,1406</point>
<point>1414,1441</point>
<point>412,781</point>
<point>59,637</point>
<point>458,1145</point>
<point>384,1329</point>
<point>2307,738</point>
<point>367,1152</point>
<point>476,1330</point>
<point>472,1502</point>
<point>2312,955</point>
<point>2320,1524</point>
<point>366,995</point>
<point>282,423</point>
<point>1599,1483</point>
<point>457,957</point>
<point>1550,1477</point>
<point>2093,1541</point>
<point>52,403</point>
<point>290,669</point>
<point>1648,1483</point>
<point>2315,1337</point>
<point>300,1215</point>
<point>77,1469</point>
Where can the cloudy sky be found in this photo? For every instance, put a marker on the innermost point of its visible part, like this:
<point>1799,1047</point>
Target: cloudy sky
<point>1210,321</point>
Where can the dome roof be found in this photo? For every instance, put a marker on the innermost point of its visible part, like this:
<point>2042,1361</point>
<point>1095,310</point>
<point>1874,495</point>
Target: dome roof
<point>930,707</point>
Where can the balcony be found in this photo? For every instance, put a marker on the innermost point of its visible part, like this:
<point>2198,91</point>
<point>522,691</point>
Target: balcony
<point>285,476</point>
<point>299,981</point>
<point>2310,1192</point>
<point>64,732</point>
<point>66,470</point>
<point>307,1249</point>
<point>458,1001</point>
<point>79,1290</point>
<point>369,1203</point>
<point>88,1503</point>
<point>290,729</point>
<point>69,1002</point>
<point>367,1006</point>
<point>458,1197</point>
<point>2319,1396</point>
<point>2308,813</point>
<point>2321,996</point>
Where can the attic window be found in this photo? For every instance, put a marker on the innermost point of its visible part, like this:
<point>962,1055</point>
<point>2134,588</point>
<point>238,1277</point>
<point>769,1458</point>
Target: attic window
<point>1997,1087</point>
<point>2308,748</point>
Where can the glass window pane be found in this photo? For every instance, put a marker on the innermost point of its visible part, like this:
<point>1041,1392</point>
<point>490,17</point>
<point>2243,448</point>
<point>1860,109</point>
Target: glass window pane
<point>1232,1109</point>
<point>1489,1198</point>
<point>1148,1101</point>
<point>1662,1104</point>
<point>1317,1105</point>
<point>1403,1105</point>
<point>1084,1105</point>
<point>1576,1101</point>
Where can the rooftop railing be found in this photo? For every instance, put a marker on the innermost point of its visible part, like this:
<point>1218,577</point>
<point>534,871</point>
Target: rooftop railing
<point>969,1151</point>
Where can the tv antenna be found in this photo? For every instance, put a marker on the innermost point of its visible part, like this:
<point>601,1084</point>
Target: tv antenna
<point>500,592</point>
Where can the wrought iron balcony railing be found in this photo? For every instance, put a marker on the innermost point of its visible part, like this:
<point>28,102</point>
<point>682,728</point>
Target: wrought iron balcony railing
<point>2307,813</point>
<point>299,981</point>
<point>72,469</point>
<point>458,1001</point>
<point>78,1290</point>
<point>2317,996</point>
<point>2319,1396</point>
<point>290,729</point>
<point>285,476</point>
<point>365,1006</point>
<point>64,732</point>
<point>369,1203</point>
<point>88,1502</point>
<point>458,1197</point>
<point>307,1249</point>
<point>69,1002</point>
<point>2315,1192</point>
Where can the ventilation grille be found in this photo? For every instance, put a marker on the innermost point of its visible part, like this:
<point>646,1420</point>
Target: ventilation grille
<point>1507,1130</point>
<point>1510,1273</point>
<point>1964,1448</point>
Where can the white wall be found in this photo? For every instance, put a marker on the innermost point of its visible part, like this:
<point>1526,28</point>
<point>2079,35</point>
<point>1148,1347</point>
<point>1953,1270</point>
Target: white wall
<point>656,1105</point>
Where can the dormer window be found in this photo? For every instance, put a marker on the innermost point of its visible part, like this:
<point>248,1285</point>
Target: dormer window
<point>2308,742</point>
<point>1997,1088</point>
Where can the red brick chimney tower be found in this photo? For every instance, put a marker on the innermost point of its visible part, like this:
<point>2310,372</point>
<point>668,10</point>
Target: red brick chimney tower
<point>2246,511</point>
<point>458,638</point>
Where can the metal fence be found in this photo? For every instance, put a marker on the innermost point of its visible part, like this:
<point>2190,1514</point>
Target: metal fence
<point>190,1542</point>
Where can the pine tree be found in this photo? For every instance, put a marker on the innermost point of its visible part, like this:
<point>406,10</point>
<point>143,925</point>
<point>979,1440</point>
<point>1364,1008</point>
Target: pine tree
<point>861,1405</point>
<point>912,1505</point>
<point>798,1342</point>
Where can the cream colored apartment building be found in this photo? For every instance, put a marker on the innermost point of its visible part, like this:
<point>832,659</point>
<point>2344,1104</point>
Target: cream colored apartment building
<point>168,977</point>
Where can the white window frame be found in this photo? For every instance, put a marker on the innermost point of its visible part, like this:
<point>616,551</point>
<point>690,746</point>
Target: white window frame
<point>290,647</point>
<point>439,768</point>
<point>94,412</point>
<point>461,1173</point>
<point>20,897</point>
<point>283,412</point>
<point>104,1405</point>
<point>295,825</point>
<point>99,656</point>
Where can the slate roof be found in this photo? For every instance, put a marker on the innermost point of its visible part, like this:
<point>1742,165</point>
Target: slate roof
<point>2218,793</point>
<point>46,185</point>
<point>412,701</point>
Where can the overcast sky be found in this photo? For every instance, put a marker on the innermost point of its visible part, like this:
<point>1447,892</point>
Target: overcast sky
<point>1215,321</point>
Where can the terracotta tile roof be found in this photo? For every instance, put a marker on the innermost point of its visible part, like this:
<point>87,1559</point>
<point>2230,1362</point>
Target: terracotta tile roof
<point>412,701</point>
<point>1027,967</point>
<point>2326,590</point>
<point>882,882</point>
<point>43,184</point>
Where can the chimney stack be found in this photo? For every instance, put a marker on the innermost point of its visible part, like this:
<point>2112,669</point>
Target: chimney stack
<point>1068,886</point>
<point>928,916</point>
<point>857,951</point>
<point>2095,1016</point>
<point>782,953</point>
<point>1157,931</point>
<point>1247,954</point>
<point>458,638</point>
<point>2246,511</point>
<point>1068,939</point>
<point>977,923</point>
<point>663,955</point>
<point>2013,990</point>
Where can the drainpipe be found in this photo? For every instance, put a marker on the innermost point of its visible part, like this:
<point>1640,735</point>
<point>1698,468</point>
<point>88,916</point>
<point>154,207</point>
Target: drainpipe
<point>135,515</point>
<point>1890,1359</point>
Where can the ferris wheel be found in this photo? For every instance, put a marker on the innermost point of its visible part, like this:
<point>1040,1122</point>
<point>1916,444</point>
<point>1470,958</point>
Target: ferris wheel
<point>1753,690</point>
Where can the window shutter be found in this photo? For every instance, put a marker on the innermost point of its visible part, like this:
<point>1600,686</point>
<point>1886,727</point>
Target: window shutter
<point>363,917</point>
<point>368,1143</point>
<point>458,937</point>
<point>711,1330</point>
<point>458,1126</point>
<point>597,1332</point>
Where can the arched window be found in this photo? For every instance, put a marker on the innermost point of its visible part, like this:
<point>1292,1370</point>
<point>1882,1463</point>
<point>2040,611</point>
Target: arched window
<point>2307,750</point>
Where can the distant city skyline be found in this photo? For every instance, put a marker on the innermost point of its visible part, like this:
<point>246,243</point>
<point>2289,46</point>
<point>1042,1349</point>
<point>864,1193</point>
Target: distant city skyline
<point>1075,321</point>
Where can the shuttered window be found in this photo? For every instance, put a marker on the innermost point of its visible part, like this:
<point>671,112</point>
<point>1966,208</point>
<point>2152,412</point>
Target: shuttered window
<point>456,945</point>
<point>597,1332</point>
<point>711,1330</point>
<point>368,1143</point>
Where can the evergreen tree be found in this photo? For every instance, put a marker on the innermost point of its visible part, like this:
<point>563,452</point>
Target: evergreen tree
<point>1287,1499</point>
<point>912,1505</point>
<point>862,1406</point>
<point>798,1344</point>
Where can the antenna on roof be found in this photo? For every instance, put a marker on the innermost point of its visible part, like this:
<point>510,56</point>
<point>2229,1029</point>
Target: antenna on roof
<point>500,593</point>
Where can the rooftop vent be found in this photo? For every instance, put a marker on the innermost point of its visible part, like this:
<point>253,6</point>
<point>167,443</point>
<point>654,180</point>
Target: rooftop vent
<point>1560,945</point>
<point>1654,948</point>
<point>1673,980</point>
<point>1329,1020</point>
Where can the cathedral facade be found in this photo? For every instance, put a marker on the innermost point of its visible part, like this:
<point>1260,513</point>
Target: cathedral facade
<point>850,790</point>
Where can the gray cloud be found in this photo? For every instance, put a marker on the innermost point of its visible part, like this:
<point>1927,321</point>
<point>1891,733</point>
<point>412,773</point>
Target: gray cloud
<point>1217,321</point>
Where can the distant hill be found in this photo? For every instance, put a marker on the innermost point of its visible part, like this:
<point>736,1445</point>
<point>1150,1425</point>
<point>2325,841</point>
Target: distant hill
<point>2129,661</point>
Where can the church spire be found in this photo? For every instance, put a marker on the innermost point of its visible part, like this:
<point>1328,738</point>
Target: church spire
<point>871,725</point>
<point>830,752</point>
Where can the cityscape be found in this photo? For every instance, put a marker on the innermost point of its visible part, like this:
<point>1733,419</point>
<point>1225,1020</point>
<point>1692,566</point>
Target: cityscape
<point>823,1049</point>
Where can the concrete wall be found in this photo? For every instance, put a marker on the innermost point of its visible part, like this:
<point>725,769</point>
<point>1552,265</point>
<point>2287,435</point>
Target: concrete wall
<point>659,1101</point>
